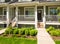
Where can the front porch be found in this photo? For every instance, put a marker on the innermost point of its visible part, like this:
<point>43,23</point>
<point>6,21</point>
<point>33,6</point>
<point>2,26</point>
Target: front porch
<point>53,19</point>
<point>30,15</point>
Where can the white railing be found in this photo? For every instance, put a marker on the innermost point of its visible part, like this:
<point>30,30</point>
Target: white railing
<point>26,17</point>
<point>3,18</point>
<point>52,18</point>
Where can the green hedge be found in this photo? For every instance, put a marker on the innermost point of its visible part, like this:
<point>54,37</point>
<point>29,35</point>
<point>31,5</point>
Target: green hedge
<point>33,32</point>
<point>21,31</point>
<point>54,32</point>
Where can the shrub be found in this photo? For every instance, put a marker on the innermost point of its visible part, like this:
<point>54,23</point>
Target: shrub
<point>33,32</point>
<point>8,31</point>
<point>31,28</point>
<point>16,31</point>
<point>27,32</point>
<point>50,28</point>
<point>55,33</point>
<point>22,31</point>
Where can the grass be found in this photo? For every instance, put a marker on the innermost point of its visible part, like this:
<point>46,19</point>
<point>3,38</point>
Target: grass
<point>16,40</point>
<point>57,41</point>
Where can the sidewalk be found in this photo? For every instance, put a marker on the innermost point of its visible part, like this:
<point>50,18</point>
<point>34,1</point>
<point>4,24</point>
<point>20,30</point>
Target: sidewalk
<point>44,37</point>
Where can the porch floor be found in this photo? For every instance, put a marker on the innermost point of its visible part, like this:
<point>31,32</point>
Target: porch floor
<point>3,22</point>
<point>26,22</point>
<point>53,23</point>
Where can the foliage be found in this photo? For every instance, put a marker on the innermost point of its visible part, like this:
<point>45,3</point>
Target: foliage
<point>58,10</point>
<point>16,31</point>
<point>21,31</point>
<point>33,32</point>
<point>9,30</point>
<point>27,32</point>
<point>55,33</point>
<point>50,28</point>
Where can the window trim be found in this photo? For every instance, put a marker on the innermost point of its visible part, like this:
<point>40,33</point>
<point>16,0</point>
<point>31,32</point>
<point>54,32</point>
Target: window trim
<point>25,10</point>
<point>49,10</point>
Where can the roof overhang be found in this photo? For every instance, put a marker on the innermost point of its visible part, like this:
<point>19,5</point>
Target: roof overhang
<point>24,4</point>
<point>48,3</point>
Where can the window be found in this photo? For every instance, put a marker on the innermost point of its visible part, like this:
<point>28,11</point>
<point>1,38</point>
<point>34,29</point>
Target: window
<point>4,11</point>
<point>53,11</point>
<point>29,12</point>
<point>7,0</point>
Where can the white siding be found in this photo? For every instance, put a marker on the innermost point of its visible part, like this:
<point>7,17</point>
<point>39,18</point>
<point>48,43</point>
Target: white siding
<point>57,0</point>
<point>2,0</point>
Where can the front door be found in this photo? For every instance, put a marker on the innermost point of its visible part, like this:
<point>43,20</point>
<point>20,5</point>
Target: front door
<point>39,15</point>
<point>39,18</point>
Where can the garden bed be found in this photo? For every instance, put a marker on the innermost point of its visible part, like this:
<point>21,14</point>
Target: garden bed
<point>56,37</point>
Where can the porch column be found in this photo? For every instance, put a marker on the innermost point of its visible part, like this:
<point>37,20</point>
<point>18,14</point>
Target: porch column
<point>7,15</point>
<point>44,20</point>
<point>17,16</point>
<point>36,16</point>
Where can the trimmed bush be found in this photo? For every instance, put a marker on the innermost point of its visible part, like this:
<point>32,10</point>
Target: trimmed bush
<point>27,32</point>
<point>22,31</point>
<point>33,32</point>
<point>50,28</point>
<point>16,31</point>
<point>55,33</point>
<point>8,31</point>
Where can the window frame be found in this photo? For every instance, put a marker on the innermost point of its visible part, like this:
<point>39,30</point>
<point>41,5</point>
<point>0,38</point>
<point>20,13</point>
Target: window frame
<point>49,10</point>
<point>25,11</point>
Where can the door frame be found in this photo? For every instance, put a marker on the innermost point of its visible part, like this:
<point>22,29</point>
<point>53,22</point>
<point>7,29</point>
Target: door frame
<point>42,13</point>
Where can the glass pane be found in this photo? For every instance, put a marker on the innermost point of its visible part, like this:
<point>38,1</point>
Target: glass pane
<point>29,11</point>
<point>53,11</point>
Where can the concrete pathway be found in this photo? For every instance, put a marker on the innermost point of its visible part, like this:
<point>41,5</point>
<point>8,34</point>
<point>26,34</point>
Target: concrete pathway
<point>44,37</point>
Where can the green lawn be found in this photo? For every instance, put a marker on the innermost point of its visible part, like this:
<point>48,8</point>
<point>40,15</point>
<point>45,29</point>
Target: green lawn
<point>16,40</point>
<point>57,41</point>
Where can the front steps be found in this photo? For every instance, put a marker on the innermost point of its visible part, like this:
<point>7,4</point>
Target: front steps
<point>43,37</point>
<point>40,25</point>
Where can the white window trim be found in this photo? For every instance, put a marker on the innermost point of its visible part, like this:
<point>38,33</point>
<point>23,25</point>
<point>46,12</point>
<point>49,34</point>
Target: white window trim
<point>49,10</point>
<point>25,14</point>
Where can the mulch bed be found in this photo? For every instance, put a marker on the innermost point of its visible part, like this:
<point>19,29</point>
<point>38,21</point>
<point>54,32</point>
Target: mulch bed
<point>56,37</point>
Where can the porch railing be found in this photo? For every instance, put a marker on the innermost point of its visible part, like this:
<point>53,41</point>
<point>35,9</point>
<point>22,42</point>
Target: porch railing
<point>52,18</point>
<point>26,18</point>
<point>3,18</point>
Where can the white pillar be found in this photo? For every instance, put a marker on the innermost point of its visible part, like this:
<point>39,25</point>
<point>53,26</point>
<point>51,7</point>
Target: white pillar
<point>36,16</point>
<point>44,20</point>
<point>17,16</point>
<point>7,16</point>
